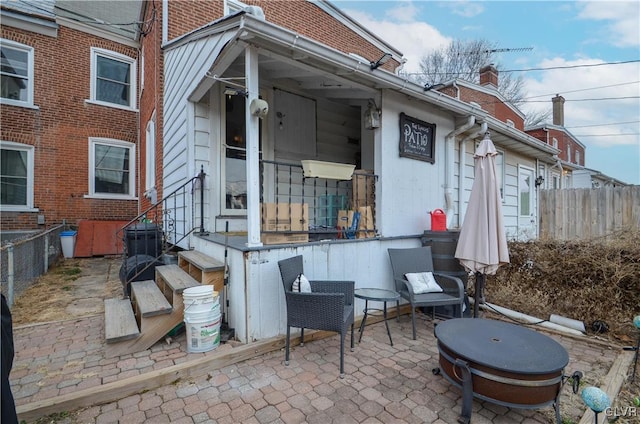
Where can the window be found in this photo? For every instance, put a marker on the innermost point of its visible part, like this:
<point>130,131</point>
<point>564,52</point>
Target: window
<point>111,172</point>
<point>113,79</point>
<point>568,153</point>
<point>555,142</point>
<point>577,156</point>
<point>16,73</point>
<point>16,176</point>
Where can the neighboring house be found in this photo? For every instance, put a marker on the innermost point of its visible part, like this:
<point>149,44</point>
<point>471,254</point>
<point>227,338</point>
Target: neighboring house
<point>523,162</point>
<point>69,108</point>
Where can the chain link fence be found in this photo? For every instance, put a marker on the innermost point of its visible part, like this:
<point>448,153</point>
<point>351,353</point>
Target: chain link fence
<point>26,255</point>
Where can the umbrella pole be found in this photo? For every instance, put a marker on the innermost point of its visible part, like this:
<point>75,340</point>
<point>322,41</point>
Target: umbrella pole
<point>479,286</point>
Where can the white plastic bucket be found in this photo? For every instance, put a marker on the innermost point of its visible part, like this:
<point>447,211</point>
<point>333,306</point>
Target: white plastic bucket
<point>201,318</point>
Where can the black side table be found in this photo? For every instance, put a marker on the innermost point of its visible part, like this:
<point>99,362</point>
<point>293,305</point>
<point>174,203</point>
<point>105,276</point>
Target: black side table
<point>377,295</point>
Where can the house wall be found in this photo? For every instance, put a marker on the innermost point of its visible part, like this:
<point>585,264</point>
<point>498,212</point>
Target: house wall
<point>60,126</point>
<point>564,142</point>
<point>151,92</point>
<point>493,105</point>
<point>410,188</point>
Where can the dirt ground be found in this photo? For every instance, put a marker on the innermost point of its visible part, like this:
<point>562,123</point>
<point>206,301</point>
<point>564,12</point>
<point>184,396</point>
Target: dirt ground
<point>72,288</point>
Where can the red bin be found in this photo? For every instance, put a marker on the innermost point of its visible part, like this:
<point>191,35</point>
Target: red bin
<point>438,220</point>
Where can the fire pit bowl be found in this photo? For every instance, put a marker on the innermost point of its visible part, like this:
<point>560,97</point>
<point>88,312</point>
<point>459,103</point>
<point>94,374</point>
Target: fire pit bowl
<point>501,363</point>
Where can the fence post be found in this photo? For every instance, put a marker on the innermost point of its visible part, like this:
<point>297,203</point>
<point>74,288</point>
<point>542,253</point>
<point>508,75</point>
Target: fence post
<point>46,252</point>
<point>10,274</point>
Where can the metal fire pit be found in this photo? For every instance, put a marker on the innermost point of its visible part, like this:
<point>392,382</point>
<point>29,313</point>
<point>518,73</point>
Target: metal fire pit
<point>501,363</point>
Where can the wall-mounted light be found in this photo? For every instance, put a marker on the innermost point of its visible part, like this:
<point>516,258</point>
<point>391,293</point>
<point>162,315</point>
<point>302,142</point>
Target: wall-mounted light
<point>539,180</point>
<point>372,116</point>
<point>280,116</point>
<point>384,59</point>
<point>229,91</point>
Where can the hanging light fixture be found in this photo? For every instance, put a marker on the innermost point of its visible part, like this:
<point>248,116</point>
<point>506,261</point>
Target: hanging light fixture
<point>372,116</point>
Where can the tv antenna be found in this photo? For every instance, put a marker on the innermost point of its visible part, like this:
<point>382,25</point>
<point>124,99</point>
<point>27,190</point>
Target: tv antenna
<point>517,49</point>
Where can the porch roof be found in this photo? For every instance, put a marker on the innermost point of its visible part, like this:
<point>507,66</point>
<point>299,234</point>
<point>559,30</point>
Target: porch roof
<point>326,72</point>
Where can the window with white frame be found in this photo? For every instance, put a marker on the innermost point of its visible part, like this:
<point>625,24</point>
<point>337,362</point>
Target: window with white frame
<point>577,156</point>
<point>150,147</point>
<point>113,79</point>
<point>111,168</point>
<point>16,176</point>
<point>555,142</point>
<point>16,73</point>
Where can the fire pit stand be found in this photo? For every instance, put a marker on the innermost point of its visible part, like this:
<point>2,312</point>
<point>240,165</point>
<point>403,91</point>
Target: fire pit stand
<point>501,363</point>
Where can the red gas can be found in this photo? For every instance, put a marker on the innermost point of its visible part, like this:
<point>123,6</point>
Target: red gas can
<point>438,220</point>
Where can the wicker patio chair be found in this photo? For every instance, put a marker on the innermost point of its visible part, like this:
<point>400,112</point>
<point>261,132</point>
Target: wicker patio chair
<point>418,259</point>
<point>328,307</point>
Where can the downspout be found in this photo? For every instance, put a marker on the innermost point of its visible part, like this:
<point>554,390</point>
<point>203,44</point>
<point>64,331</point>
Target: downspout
<point>463,167</point>
<point>165,21</point>
<point>449,166</point>
<point>455,85</point>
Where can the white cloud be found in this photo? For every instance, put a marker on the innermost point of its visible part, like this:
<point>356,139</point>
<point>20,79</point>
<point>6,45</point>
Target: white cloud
<point>413,38</point>
<point>622,16</point>
<point>584,88</point>
<point>467,9</point>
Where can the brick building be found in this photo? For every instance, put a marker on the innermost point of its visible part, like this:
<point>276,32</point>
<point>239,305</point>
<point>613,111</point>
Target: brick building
<point>69,108</point>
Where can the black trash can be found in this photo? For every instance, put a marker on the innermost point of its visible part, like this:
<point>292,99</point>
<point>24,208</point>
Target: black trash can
<point>143,238</point>
<point>143,264</point>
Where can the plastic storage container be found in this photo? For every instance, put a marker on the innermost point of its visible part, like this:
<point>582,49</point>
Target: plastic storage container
<point>68,243</point>
<point>143,264</point>
<point>143,239</point>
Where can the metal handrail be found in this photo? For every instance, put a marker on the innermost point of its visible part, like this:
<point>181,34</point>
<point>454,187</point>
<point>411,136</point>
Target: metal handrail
<point>162,212</point>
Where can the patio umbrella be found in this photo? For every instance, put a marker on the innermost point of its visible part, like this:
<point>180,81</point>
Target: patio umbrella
<point>482,245</point>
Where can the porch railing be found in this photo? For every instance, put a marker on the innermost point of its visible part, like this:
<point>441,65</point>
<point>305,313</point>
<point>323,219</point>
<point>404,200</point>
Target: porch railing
<point>160,228</point>
<point>331,204</point>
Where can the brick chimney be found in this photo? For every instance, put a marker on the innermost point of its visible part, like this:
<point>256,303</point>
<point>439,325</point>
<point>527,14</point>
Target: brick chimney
<point>489,76</point>
<point>558,110</point>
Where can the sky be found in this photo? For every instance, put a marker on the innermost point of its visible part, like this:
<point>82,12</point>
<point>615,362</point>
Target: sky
<point>581,39</point>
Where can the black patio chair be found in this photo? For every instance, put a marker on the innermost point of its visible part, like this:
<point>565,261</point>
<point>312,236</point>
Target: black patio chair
<point>328,307</point>
<point>418,259</point>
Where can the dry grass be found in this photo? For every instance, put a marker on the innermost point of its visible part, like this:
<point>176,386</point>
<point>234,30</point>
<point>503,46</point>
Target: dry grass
<point>594,280</point>
<point>589,281</point>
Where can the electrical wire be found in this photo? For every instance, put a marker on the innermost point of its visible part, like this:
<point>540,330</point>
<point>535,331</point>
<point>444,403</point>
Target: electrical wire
<point>586,89</point>
<point>605,135</point>
<point>536,69</point>
<point>604,125</point>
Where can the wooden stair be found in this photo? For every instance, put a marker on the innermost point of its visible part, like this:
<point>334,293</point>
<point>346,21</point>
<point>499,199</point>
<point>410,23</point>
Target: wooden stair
<point>156,307</point>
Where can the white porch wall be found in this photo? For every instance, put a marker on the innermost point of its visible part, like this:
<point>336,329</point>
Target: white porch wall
<point>407,188</point>
<point>257,305</point>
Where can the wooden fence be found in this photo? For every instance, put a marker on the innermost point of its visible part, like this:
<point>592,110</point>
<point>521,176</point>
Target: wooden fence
<point>585,213</point>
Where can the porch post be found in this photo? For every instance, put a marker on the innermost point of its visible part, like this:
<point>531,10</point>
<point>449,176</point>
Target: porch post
<point>253,150</point>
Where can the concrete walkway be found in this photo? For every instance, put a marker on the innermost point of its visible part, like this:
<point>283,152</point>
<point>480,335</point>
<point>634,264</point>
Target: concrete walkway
<point>383,384</point>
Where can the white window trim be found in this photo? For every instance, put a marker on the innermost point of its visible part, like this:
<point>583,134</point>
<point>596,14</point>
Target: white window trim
<point>150,154</point>
<point>132,169</point>
<point>95,52</point>
<point>232,6</point>
<point>10,145</point>
<point>30,74</point>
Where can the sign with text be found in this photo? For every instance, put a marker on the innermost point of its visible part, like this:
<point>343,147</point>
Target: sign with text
<point>417,139</point>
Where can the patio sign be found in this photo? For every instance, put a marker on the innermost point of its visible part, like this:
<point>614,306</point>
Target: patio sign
<point>417,139</point>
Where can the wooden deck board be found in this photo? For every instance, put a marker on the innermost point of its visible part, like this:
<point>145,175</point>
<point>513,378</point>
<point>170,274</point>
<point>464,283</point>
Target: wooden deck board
<point>119,321</point>
<point>149,299</point>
